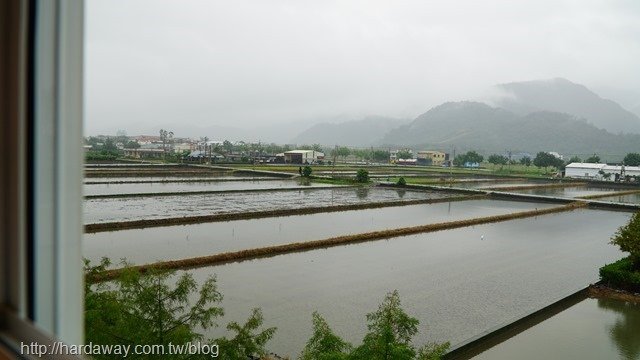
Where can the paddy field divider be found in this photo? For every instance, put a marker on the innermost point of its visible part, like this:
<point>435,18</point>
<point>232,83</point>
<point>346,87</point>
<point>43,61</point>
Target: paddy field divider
<point>249,254</point>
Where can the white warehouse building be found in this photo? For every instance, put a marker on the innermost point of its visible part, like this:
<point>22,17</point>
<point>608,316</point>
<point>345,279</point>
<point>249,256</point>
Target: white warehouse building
<point>605,172</point>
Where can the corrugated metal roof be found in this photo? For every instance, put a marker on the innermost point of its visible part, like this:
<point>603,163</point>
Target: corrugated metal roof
<point>586,166</point>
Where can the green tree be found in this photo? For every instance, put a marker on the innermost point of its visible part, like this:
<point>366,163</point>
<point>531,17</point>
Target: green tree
<point>362,176</point>
<point>402,181</point>
<point>343,152</point>
<point>390,332</point>
<point>404,154</point>
<point>132,145</point>
<point>158,308</point>
<point>110,146</point>
<point>468,157</point>
<point>545,159</point>
<point>593,159</point>
<point>324,343</point>
<point>166,137</point>
<point>389,338</point>
<point>380,155</point>
<point>632,159</point>
<point>306,171</point>
<point>227,146</point>
<point>628,239</point>
<point>526,161</point>
<point>498,159</point>
<point>248,340</point>
<point>574,159</point>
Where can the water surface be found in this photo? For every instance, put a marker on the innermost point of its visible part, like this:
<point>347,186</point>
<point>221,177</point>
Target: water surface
<point>178,242</point>
<point>459,283</point>
<point>122,209</point>
<point>592,329</point>
<point>103,189</point>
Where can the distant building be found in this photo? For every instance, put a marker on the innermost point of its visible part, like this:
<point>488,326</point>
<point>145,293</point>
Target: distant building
<point>145,139</point>
<point>303,157</point>
<point>144,153</point>
<point>393,155</point>
<point>593,171</point>
<point>407,161</point>
<point>430,157</point>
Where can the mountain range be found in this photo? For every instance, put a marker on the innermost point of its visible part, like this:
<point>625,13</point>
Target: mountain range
<point>563,96</point>
<point>364,132</point>
<point>546,115</point>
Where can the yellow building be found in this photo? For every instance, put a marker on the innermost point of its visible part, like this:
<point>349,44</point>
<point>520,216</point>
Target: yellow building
<point>435,158</point>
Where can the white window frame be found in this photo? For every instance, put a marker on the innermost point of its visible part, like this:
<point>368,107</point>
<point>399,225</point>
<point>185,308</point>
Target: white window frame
<point>41,104</point>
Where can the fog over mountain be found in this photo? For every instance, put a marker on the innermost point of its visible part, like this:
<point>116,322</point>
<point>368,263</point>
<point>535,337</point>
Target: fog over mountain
<point>478,126</point>
<point>564,96</point>
<point>195,64</point>
<point>364,132</point>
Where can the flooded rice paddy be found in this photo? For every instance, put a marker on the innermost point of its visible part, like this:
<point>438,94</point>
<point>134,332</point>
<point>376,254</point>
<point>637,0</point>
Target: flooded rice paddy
<point>629,198</point>
<point>123,209</point>
<point>104,189</point>
<point>459,283</point>
<point>151,179</point>
<point>141,246</point>
<point>593,329</point>
<point>568,192</point>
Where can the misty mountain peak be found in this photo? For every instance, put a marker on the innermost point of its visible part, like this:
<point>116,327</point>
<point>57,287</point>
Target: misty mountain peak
<point>562,95</point>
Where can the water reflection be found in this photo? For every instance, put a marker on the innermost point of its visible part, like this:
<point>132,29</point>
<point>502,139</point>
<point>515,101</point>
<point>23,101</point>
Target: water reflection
<point>625,333</point>
<point>362,193</point>
<point>401,193</point>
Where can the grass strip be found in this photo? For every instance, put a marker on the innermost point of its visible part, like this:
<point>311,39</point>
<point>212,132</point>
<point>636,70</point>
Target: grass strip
<point>206,192</point>
<point>249,254</point>
<point>616,193</point>
<point>185,220</point>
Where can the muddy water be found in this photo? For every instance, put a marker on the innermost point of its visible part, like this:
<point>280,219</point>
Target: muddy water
<point>592,329</point>
<point>106,210</point>
<point>456,283</point>
<point>177,242</point>
<point>103,189</point>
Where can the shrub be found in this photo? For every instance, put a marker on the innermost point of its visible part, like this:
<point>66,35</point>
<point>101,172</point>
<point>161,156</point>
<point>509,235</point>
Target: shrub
<point>628,239</point>
<point>621,274</point>
<point>362,176</point>
<point>402,182</point>
<point>306,171</point>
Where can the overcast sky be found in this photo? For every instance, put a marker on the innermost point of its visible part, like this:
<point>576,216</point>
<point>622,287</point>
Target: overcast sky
<point>185,64</point>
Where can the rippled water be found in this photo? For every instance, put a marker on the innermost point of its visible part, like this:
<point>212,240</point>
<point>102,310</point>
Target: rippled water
<point>592,329</point>
<point>102,189</point>
<point>456,283</point>
<point>106,210</point>
<point>178,242</point>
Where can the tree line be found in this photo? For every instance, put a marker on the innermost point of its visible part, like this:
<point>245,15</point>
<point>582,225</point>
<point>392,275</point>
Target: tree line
<point>161,308</point>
